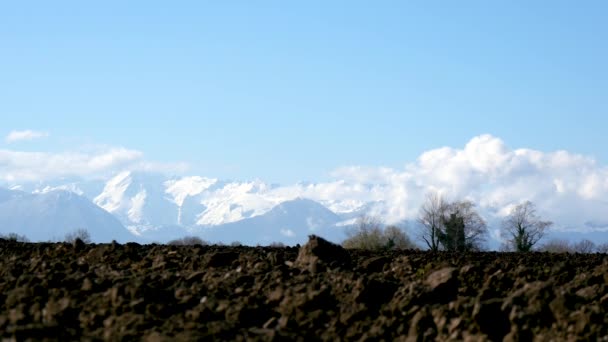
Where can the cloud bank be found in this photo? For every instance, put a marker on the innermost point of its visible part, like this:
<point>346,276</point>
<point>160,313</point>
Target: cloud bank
<point>27,134</point>
<point>569,189</point>
<point>17,166</point>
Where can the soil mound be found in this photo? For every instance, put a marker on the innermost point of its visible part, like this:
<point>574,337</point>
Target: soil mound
<point>318,254</point>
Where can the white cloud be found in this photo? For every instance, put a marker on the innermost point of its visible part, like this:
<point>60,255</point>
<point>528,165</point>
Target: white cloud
<point>287,232</point>
<point>27,134</point>
<point>18,166</point>
<point>568,188</point>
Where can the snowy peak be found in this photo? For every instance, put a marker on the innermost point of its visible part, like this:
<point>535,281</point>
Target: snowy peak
<point>235,201</point>
<point>138,199</point>
<point>180,189</point>
<point>302,207</point>
<point>153,206</point>
<point>112,197</point>
<point>291,221</point>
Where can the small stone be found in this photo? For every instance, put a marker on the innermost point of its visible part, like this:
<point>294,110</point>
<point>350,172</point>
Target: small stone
<point>87,285</point>
<point>589,292</point>
<point>269,323</point>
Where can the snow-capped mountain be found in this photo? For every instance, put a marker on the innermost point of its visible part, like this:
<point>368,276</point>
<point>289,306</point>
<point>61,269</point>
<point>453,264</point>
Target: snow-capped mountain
<point>143,200</point>
<point>146,203</point>
<point>154,207</point>
<point>138,199</point>
<point>50,215</point>
<point>290,222</point>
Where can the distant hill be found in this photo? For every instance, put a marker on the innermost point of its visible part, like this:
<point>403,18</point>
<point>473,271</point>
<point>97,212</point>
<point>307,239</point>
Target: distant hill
<point>290,222</point>
<point>50,215</point>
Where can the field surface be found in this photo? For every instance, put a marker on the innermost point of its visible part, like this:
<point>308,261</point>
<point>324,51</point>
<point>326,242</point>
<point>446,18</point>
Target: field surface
<point>317,292</point>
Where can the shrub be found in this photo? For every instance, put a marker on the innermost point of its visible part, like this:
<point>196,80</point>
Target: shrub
<point>369,234</point>
<point>80,233</point>
<point>602,248</point>
<point>188,241</point>
<point>397,239</point>
<point>584,246</point>
<point>235,244</point>
<point>556,246</point>
<point>276,244</point>
<point>15,237</point>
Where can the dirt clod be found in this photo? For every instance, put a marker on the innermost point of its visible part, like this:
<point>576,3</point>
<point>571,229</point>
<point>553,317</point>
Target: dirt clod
<point>318,254</point>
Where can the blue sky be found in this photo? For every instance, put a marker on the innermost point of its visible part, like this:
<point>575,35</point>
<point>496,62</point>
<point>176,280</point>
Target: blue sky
<point>288,92</point>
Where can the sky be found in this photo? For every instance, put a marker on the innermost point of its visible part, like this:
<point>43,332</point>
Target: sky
<point>289,92</point>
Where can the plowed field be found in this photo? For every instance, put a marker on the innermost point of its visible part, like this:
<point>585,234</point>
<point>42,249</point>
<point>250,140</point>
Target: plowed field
<point>317,292</point>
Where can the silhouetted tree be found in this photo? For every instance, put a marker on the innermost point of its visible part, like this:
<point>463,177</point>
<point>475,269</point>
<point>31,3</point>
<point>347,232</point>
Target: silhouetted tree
<point>15,237</point>
<point>584,246</point>
<point>369,234</point>
<point>188,241</point>
<point>452,237</point>
<point>396,238</point>
<point>79,233</point>
<point>602,248</point>
<point>431,219</point>
<point>556,246</point>
<point>524,227</point>
<point>453,226</point>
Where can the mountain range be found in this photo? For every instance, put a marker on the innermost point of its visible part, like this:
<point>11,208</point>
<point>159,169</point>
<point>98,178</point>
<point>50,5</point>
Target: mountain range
<point>150,207</point>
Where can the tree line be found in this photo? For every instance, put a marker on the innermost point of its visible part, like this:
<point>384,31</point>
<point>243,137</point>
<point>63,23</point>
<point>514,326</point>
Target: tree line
<point>456,226</point>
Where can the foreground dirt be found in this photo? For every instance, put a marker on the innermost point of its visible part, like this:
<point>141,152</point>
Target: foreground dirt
<point>319,291</point>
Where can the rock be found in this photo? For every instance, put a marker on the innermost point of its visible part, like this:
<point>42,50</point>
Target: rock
<point>589,292</point>
<point>78,244</point>
<point>422,327</point>
<point>491,319</point>
<point>375,264</point>
<point>443,285</point>
<point>529,306</point>
<point>222,259</point>
<point>318,254</point>
<point>373,293</point>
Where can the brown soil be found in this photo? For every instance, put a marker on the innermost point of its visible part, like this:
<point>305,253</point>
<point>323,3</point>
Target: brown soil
<point>320,291</point>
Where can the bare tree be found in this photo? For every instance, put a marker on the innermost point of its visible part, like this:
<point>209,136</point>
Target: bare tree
<point>584,246</point>
<point>524,227</point>
<point>188,241</point>
<point>454,226</point>
<point>15,237</point>
<point>556,246</point>
<point>463,228</point>
<point>602,248</point>
<point>395,238</point>
<point>79,233</point>
<point>430,218</point>
<point>366,234</point>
